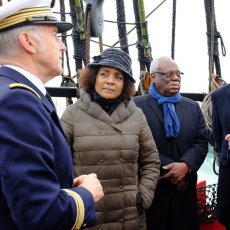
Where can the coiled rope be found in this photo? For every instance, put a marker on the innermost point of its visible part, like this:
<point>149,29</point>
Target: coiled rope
<point>216,83</point>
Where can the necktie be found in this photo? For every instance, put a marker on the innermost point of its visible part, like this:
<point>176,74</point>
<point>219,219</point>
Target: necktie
<point>50,99</point>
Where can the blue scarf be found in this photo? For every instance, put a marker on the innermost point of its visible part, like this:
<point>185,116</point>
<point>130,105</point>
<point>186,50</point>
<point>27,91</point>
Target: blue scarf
<point>171,122</point>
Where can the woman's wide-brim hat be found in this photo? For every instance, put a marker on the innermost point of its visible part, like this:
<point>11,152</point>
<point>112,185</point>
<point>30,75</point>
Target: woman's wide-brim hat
<point>17,13</point>
<point>115,58</point>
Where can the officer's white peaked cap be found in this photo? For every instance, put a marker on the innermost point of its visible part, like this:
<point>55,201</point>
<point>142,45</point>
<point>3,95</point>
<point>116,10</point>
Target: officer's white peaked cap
<point>17,13</point>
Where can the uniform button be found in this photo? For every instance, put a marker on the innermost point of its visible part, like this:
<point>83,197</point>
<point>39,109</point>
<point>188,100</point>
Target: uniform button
<point>100,131</point>
<point>102,161</point>
<point>121,160</point>
<point>120,186</point>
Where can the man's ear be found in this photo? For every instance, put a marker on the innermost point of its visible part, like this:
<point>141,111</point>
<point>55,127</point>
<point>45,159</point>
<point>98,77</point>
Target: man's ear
<point>27,42</point>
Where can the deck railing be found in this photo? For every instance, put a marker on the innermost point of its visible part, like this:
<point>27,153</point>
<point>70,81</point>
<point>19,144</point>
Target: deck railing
<point>72,92</point>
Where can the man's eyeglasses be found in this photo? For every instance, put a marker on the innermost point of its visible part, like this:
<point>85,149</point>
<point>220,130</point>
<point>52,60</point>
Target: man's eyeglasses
<point>171,74</point>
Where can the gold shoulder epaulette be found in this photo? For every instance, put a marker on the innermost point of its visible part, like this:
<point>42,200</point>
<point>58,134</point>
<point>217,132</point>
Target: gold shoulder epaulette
<point>23,86</point>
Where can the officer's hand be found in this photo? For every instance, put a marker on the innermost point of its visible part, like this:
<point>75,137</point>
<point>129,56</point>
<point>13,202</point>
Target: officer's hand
<point>91,183</point>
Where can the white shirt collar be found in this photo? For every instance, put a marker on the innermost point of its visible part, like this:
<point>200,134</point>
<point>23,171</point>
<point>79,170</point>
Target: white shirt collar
<point>32,78</point>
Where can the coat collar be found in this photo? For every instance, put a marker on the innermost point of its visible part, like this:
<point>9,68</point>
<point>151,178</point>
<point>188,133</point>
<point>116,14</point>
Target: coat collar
<point>15,76</point>
<point>159,111</point>
<point>119,114</point>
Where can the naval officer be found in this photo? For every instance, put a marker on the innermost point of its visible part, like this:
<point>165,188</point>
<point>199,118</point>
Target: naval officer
<point>38,190</point>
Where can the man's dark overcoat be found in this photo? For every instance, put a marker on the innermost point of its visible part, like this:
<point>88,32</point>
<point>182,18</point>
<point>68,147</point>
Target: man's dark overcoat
<point>220,128</point>
<point>173,209</point>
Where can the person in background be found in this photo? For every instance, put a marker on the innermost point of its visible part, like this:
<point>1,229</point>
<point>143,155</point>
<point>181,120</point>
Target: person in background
<point>37,185</point>
<point>110,136</point>
<point>220,130</point>
<point>179,130</point>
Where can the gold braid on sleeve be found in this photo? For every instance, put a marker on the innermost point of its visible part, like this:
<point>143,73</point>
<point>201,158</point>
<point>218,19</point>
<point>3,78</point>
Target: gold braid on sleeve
<point>80,209</point>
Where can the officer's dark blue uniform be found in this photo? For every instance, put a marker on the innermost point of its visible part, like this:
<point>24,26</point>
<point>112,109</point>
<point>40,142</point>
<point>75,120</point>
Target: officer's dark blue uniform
<point>34,153</point>
<point>36,174</point>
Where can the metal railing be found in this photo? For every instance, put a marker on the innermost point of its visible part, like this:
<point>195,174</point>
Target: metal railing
<point>72,92</point>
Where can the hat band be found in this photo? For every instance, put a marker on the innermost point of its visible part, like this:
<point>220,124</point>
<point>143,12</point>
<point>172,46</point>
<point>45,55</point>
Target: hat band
<point>29,14</point>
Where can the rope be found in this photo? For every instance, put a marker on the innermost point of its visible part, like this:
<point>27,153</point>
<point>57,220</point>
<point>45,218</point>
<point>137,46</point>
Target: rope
<point>63,18</point>
<point>149,14</point>
<point>122,27</point>
<point>88,32</point>
<point>66,79</point>
<point>212,37</point>
<point>211,62</point>
<point>215,80</point>
<point>138,30</point>
<point>216,83</point>
<point>173,30</point>
<point>119,22</point>
<point>78,33</point>
<point>101,44</point>
<point>79,49</point>
<point>112,46</point>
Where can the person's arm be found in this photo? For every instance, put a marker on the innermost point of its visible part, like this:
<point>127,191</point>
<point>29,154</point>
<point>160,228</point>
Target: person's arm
<point>165,160</point>
<point>195,155</point>
<point>149,164</point>
<point>216,125</point>
<point>196,142</point>
<point>67,124</point>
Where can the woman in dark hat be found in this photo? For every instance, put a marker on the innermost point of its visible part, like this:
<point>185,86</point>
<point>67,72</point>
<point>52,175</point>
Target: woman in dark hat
<point>110,136</point>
